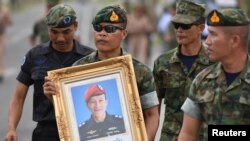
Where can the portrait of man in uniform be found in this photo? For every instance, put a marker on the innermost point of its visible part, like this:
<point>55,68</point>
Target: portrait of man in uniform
<point>102,111</point>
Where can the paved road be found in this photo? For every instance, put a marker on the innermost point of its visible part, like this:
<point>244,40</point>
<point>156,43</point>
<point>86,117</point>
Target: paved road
<point>18,45</point>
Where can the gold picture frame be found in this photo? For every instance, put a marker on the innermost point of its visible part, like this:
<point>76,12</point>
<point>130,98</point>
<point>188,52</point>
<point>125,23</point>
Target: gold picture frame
<point>118,77</point>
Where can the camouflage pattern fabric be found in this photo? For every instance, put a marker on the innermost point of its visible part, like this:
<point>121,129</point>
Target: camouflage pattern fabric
<point>227,17</point>
<point>41,29</point>
<point>173,81</point>
<point>61,15</point>
<point>144,77</point>
<point>188,12</point>
<point>221,104</point>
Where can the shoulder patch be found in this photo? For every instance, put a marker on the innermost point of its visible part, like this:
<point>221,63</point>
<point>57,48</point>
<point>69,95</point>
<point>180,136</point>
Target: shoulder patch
<point>24,59</point>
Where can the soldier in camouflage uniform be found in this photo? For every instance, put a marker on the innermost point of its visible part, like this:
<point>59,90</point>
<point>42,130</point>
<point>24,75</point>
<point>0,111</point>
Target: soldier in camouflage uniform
<point>220,94</point>
<point>110,30</point>
<point>174,70</point>
<point>40,28</point>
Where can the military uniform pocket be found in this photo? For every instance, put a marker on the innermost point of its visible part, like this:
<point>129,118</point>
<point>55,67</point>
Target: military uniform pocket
<point>245,109</point>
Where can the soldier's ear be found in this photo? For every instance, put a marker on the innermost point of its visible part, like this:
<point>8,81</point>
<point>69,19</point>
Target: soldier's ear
<point>76,24</point>
<point>124,34</point>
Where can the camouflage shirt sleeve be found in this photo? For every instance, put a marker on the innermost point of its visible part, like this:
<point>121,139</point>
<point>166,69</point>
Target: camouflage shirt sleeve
<point>146,85</point>
<point>87,59</point>
<point>191,104</point>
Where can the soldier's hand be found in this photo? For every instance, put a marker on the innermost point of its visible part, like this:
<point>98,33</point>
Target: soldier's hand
<point>49,88</point>
<point>11,136</point>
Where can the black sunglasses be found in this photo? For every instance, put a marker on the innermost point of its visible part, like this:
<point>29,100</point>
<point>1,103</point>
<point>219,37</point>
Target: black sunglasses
<point>183,26</point>
<point>107,28</point>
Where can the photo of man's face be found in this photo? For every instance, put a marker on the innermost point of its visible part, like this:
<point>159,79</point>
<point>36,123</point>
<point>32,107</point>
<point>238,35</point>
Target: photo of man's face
<point>97,105</point>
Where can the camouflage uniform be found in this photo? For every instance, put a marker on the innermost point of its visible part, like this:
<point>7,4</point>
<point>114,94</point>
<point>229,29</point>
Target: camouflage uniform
<point>218,103</point>
<point>210,99</point>
<point>173,78</point>
<point>173,81</point>
<point>40,28</point>
<point>144,79</point>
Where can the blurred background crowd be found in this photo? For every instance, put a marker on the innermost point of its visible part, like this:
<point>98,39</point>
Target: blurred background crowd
<point>149,25</point>
<point>150,34</point>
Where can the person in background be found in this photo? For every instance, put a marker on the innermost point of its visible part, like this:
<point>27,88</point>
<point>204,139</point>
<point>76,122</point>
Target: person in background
<point>169,37</point>
<point>61,51</point>
<point>109,31</point>
<point>40,29</point>
<point>5,21</point>
<point>174,70</point>
<point>139,27</point>
<point>219,95</point>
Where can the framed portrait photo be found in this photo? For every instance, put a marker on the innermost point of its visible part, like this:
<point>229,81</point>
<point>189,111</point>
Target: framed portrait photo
<point>98,102</point>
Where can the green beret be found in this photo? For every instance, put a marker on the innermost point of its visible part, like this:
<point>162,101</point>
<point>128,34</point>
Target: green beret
<point>52,2</point>
<point>61,15</point>
<point>188,12</point>
<point>110,14</point>
<point>227,17</point>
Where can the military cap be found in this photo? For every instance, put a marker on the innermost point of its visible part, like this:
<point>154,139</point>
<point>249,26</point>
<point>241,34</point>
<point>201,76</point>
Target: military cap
<point>227,17</point>
<point>52,2</point>
<point>61,15</point>
<point>110,14</point>
<point>188,12</point>
<point>94,90</point>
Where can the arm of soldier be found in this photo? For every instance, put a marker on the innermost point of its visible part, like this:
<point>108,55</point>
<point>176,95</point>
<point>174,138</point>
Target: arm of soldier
<point>158,82</point>
<point>151,117</point>
<point>192,118</point>
<point>15,110</point>
<point>49,88</point>
<point>149,101</point>
<point>190,129</point>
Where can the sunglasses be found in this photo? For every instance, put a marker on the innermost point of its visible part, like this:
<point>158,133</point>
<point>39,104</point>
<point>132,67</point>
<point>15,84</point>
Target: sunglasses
<point>183,26</point>
<point>107,28</point>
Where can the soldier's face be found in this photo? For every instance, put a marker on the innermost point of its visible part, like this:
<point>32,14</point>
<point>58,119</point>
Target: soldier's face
<point>97,105</point>
<point>218,44</point>
<point>109,42</point>
<point>62,38</point>
<point>189,35</point>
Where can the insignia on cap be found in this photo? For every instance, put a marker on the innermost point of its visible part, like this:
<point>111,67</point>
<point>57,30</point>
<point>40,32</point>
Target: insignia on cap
<point>67,19</point>
<point>113,17</point>
<point>215,18</point>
